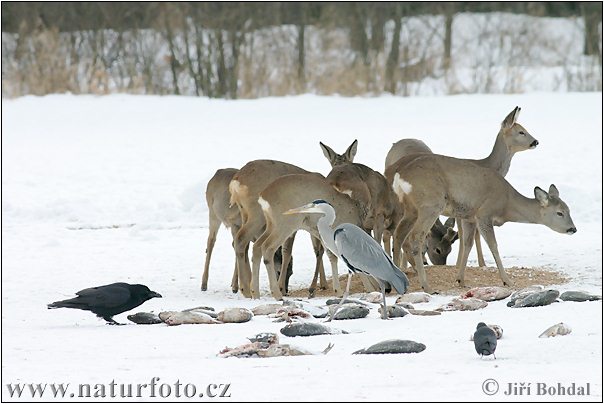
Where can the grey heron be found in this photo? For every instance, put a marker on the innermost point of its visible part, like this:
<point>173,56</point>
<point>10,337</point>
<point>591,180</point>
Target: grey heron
<point>359,251</point>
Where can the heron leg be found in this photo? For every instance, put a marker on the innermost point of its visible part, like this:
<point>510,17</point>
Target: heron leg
<point>384,306</point>
<point>343,298</point>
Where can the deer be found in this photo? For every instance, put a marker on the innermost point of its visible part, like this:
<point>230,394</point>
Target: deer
<point>291,191</point>
<point>511,138</point>
<point>430,185</point>
<point>244,189</point>
<point>221,212</point>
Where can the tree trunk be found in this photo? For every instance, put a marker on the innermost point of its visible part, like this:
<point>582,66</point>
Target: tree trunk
<point>393,57</point>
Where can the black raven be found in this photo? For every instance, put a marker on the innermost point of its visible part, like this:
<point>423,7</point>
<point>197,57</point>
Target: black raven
<point>108,300</point>
<point>485,340</point>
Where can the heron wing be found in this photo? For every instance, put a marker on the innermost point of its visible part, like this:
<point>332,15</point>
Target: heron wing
<point>363,254</point>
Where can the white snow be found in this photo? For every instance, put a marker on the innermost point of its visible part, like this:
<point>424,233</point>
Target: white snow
<point>103,189</point>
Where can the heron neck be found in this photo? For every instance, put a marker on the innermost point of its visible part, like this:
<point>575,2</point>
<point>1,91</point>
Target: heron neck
<point>326,231</point>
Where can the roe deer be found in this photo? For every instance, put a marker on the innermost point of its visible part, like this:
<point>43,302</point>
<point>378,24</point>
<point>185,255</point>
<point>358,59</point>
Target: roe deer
<point>430,185</point>
<point>221,212</point>
<point>291,191</point>
<point>512,138</point>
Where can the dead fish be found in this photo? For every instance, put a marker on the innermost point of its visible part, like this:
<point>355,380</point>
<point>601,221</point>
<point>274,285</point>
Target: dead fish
<point>204,309</point>
<point>243,351</point>
<point>487,293</point>
<point>308,329</point>
<point>395,311</point>
<point>289,350</point>
<point>522,293</point>
<point>497,329</point>
<point>416,312</point>
<point>557,329</point>
<point>266,309</point>
<point>289,313</point>
<point>468,304</point>
<point>186,317</point>
<point>373,297</point>
<point>414,297</point>
<point>537,299</point>
<point>393,346</point>
<point>317,312</point>
<point>235,315</point>
<point>267,337</point>
<point>144,318</point>
<point>349,311</point>
<point>405,305</point>
<point>578,296</point>
<point>336,300</point>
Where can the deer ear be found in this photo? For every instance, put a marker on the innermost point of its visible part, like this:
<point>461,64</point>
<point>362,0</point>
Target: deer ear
<point>451,235</point>
<point>553,191</point>
<point>351,151</point>
<point>450,222</point>
<point>541,196</point>
<point>328,152</point>
<point>510,120</point>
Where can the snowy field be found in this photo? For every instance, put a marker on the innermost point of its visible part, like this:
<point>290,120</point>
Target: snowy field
<point>103,189</point>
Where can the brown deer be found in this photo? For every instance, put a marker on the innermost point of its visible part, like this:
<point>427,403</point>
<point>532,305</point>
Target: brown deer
<point>292,191</point>
<point>512,138</point>
<point>221,212</point>
<point>430,185</point>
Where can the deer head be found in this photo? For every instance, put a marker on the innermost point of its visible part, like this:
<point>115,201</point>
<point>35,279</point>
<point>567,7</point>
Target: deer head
<point>439,241</point>
<point>515,136</point>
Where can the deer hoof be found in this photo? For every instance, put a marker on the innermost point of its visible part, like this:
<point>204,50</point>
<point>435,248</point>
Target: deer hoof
<point>311,293</point>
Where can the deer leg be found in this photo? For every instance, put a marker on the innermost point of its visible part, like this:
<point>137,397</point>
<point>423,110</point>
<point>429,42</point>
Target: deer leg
<point>481,262</point>
<point>461,246</point>
<point>416,238</point>
<point>319,270</point>
<point>334,273</point>
<point>401,232</point>
<point>213,231</point>
<point>269,248</point>
<point>466,241</point>
<point>235,279</point>
<point>242,242</point>
<point>488,233</point>
<point>386,239</point>
<point>286,255</point>
<point>257,254</point>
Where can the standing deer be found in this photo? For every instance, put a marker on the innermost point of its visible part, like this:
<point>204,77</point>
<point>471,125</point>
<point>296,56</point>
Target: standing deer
<point>430,185</point>
<point>292,191</point>
<point>245,188</point>
<point>512,138</point>
<point>221,212</point>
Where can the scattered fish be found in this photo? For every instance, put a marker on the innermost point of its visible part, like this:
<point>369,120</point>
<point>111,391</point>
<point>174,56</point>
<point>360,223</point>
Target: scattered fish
<point>395,311</point>
<point>144,318</point>
<point>266,309</point>
<point>235,315</point>
<point>317,312</point>
<point>488,293</point>
<point>308,329</point>
<point>204,309</point>
<point>416,312</point>
<point>266,345</point>
<point>557,329</point>
<point>578,296</point>
<point>186,317</point>
<point>289,313</point>
<point>414,297</point>
<point>522,293</point>
<point>543,298</point>
<point>393,346</point>
<point>468,304</point>
<point>373,297</point>
<point>336,300</point>
<point>406,305</point>
<point>349,311</point>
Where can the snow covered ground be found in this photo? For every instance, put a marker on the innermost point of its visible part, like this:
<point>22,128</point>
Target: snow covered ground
<point>74,165</point>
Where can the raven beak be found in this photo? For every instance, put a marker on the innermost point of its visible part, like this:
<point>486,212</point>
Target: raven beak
<point>154,294</point>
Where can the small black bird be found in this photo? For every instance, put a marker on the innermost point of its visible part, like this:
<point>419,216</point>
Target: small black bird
<point>108,300</point>
<point>485,340</point>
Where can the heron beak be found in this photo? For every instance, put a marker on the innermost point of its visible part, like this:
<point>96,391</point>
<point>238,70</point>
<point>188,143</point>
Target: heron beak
<point>301,209</point>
